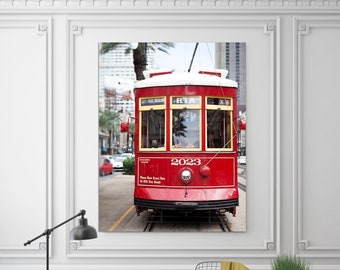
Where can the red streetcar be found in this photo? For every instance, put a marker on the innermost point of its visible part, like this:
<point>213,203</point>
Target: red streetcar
<point>186,142</point>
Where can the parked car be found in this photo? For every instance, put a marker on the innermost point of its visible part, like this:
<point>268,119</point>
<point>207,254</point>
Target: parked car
<point>109,157</point>
<point>118,163</point>
<point>105,167</point>
<point>242,160</point>
<point>126,155</point>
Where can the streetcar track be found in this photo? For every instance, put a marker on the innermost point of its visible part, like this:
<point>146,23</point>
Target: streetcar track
<point>242,186</point>
<point>149,227</point>
<point>224,224</point>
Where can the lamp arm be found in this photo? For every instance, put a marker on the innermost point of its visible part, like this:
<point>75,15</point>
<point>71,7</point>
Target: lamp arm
<point>49,231</point>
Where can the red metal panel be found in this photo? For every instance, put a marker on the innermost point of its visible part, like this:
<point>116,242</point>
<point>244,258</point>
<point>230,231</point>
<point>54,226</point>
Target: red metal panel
<point>165,171</point>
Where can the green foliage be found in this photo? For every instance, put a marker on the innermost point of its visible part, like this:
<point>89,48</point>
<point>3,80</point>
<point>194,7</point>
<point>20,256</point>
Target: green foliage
<point>108,120</point>
<point>286,262</point>
<point>129,166</point>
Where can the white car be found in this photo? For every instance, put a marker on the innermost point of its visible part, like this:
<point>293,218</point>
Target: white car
<point>242,160</point>
<point>118,163</point>
<point>126,155</point>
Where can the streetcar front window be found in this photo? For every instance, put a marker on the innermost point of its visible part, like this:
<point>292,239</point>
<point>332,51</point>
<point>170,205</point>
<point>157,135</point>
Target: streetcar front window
<point>152,129</point>
<point>185,128</point>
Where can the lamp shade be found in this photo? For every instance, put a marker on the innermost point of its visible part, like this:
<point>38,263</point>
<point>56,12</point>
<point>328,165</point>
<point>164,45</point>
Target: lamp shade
<point>83,231</point>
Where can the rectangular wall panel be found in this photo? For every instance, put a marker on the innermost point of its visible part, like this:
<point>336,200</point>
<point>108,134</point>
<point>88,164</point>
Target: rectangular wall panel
<point>25,138</point>
<point>259,36</point>
<point>318,134</point>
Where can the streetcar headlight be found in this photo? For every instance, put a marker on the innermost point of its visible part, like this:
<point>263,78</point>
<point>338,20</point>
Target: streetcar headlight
<point>186,175</point>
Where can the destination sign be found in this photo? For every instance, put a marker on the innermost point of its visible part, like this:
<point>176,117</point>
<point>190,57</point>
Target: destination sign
<point>185,100</point>
<point>152,101</point>
<point>219,101</point>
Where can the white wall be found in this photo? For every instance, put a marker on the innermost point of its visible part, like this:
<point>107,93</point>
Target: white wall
<point>48,116</point>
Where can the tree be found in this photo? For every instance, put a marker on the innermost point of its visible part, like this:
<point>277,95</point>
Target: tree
<point>178,127</point>
<point>139,53</point>
<point>109,121</point>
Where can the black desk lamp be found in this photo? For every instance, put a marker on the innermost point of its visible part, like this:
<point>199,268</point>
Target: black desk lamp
<point>81,232</point>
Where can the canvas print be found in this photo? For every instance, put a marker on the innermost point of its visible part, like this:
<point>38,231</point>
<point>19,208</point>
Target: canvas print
<point>172,137</point>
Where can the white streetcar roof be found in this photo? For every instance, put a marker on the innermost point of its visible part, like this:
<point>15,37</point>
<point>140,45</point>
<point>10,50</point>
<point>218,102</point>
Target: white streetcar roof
<point>167,78</point>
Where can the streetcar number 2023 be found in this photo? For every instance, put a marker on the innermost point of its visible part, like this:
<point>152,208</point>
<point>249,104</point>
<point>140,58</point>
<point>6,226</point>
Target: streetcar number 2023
<point>185,162</point>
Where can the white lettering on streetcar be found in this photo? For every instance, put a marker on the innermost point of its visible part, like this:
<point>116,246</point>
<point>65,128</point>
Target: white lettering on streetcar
<point>186,162</point>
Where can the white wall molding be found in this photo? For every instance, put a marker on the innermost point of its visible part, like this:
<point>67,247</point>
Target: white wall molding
<point>34,134</point>
<point>308,33</point>
<point>84,35</point>
<point>288,5</point>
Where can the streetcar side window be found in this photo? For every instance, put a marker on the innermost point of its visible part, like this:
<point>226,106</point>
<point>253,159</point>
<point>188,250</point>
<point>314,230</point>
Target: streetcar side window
<point>152,129</point>
<point>152,123</point>
<point>219,124</point>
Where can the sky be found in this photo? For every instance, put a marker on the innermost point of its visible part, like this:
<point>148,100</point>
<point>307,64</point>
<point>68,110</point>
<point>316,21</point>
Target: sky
<point>179,58</point>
